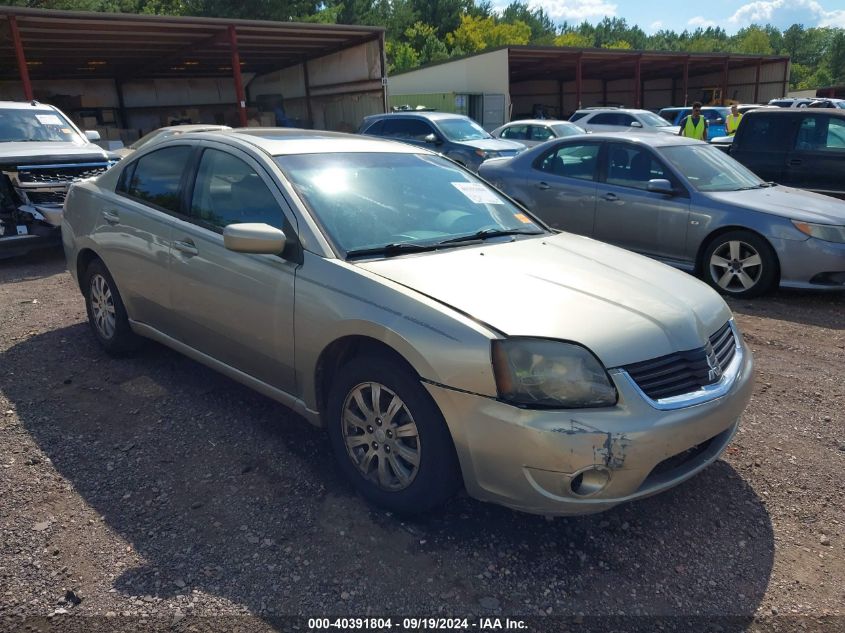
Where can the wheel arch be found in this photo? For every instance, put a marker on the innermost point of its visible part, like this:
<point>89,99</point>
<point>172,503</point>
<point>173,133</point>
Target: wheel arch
<point>83,260</point>
<point>339,352</point>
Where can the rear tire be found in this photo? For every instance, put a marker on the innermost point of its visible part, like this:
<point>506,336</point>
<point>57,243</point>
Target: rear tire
<point>740,264</point>
<point>389,437</point>
<point>106,312</point>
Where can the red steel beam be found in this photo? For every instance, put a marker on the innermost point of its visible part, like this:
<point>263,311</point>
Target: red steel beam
<point>725,81</point>
<point>22,68</point>
<point>757,82</point>
<point>686,81</point>
<point>236,74</point>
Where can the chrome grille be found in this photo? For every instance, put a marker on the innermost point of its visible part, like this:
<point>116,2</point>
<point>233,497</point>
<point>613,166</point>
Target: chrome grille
<point>46,197</point>
<point>58,175</point>
<point>684,372</point>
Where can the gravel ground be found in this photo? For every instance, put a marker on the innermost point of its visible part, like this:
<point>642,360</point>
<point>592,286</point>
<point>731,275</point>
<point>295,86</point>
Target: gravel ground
<point>152,487</point>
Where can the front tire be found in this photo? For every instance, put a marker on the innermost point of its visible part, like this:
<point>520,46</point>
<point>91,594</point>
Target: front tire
<point>389,437</point>
<point>106,312</point>
<point>740,264</point>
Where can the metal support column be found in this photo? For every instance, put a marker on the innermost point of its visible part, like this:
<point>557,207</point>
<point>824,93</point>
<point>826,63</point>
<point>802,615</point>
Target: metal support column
<point>578,81</point>
<point>307,82</point>
<point>725,82</point>
<point>22,68</point>
<point>236,74</point>
<point>121,105</point>
<point>382,58</point>
<point>559,98</point>
<point>638,84</point>
<point>785,77</point>
<point>757,82</point>
<point>686,82</point>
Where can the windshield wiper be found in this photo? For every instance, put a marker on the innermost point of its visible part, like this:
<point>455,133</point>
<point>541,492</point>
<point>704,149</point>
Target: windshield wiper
<point>396,248</point>
<point>486,233</point>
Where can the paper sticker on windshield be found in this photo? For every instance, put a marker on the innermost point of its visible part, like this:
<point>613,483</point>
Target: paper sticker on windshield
<point>48,119</point>
<point>522,218</point>
<point>477,193</point>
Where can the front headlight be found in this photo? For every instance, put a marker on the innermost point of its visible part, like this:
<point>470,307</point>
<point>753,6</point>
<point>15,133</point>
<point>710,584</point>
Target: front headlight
<point>550,374</point>
<point>826,232</point>
<point>484,154</point>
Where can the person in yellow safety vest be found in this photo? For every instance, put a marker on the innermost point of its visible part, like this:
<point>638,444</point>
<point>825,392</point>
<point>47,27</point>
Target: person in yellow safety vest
<point>732,122</point>
<point>694,125</point>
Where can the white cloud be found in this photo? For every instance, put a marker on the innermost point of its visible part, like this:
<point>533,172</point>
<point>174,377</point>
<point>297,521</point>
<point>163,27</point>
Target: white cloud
<point>656,26</point>
<point>703,22</point>
<point>575,10</point>
<point>783,13</point>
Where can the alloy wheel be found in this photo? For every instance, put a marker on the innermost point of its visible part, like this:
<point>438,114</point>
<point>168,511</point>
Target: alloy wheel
<point>102,306</point>
<point>381,436</point>
<point>736,266</point>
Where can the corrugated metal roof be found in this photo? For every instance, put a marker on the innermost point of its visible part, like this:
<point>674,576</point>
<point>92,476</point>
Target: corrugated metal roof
<point>74,44</point>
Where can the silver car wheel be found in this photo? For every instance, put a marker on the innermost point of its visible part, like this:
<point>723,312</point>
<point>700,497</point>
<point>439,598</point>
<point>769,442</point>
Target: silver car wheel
<point>736,266</point>
<point>381,436</point>
<point>102,306</point>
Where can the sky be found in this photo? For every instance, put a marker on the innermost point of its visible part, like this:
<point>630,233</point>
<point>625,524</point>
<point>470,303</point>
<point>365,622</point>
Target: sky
<point>653,15</point>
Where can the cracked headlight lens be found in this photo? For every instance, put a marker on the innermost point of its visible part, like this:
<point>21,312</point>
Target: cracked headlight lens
<point>550,374</point>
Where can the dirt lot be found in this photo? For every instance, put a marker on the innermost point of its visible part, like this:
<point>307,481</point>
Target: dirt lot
<point>151,487</point>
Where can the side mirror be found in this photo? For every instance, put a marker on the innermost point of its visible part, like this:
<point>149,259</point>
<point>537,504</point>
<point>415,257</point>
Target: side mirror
<point>433,139</point>
<point>254,238</point>
<point>636,124</point>
<point>92,135</point>
<point>661,185</point>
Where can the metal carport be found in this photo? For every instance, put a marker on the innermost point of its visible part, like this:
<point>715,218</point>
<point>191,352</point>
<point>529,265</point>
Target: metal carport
<point>44,45</point>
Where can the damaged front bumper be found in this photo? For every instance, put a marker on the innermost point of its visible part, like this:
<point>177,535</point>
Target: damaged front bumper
<point>567,462</point>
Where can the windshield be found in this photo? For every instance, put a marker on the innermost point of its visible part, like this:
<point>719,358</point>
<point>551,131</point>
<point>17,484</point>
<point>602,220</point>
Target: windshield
<point>567,129</point>
<point>652,120</point>
<point>462,130</point>
<point>36,125</point>
<point>707,168</point>
<point>372,200</point>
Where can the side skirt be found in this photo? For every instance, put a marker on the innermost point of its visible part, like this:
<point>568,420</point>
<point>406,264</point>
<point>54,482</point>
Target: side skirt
<point>261,387</point>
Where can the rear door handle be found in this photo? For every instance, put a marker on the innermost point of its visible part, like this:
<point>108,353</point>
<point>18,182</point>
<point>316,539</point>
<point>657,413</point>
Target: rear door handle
<point>543,185</point>
<point>610,197</point>
<point>186,246</point>
<point>794,161</point>
<point>111,217</point>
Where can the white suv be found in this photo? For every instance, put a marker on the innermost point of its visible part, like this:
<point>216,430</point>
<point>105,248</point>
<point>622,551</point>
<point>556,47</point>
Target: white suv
<point>619,119</point>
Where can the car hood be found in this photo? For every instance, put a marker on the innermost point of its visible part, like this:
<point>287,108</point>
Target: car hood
<point>494,144</point>
<point>50,152</point>
<point>787,202</point>
<point>622,306</point>
<point>669,129</point>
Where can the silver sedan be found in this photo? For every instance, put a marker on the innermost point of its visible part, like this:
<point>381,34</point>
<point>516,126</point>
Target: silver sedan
<point>442,335</point>
<point>531,132</point>
<point>685,203</point>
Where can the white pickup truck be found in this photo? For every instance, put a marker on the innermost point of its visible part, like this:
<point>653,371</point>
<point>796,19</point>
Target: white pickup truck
<point>41,153</point>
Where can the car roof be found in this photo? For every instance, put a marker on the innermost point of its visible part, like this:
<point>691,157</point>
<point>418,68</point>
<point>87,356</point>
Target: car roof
<point>798,112</point>
<point>539,122</point>
<point>17,105</point>
<point>651,139</point>
<point>195,127</point>
<point>425,114</point>
<point>609,109</point>
<point>284,141</point>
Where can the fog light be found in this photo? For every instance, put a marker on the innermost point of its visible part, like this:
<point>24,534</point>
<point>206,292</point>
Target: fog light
<point>589,482</point>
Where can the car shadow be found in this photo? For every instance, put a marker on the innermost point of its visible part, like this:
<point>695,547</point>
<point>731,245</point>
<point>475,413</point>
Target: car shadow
<point>804,307</point>
<point>225,494</point>
<point>39,263</point>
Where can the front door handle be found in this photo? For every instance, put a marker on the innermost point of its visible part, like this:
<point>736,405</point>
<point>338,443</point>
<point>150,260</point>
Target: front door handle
<point>610,197</point>
<point>111,217</point>
<point>543,186</point>
<point>186,246</point>
<point>794,162</point>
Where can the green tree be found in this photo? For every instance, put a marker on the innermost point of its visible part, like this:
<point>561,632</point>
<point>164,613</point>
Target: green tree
<point>423,39</point>
<point>400,56</point>
<point>543,29</point>
<point>753,41</point>
<point>574,39</point>
<point>477,34</point>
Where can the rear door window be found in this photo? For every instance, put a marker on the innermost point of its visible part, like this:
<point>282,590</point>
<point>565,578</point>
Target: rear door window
<point>633,166</point>
<point>516,132</point>
<point>571,161</point>
<point>411,129</point>
<point>541,133</point>
<point>157,177</point>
